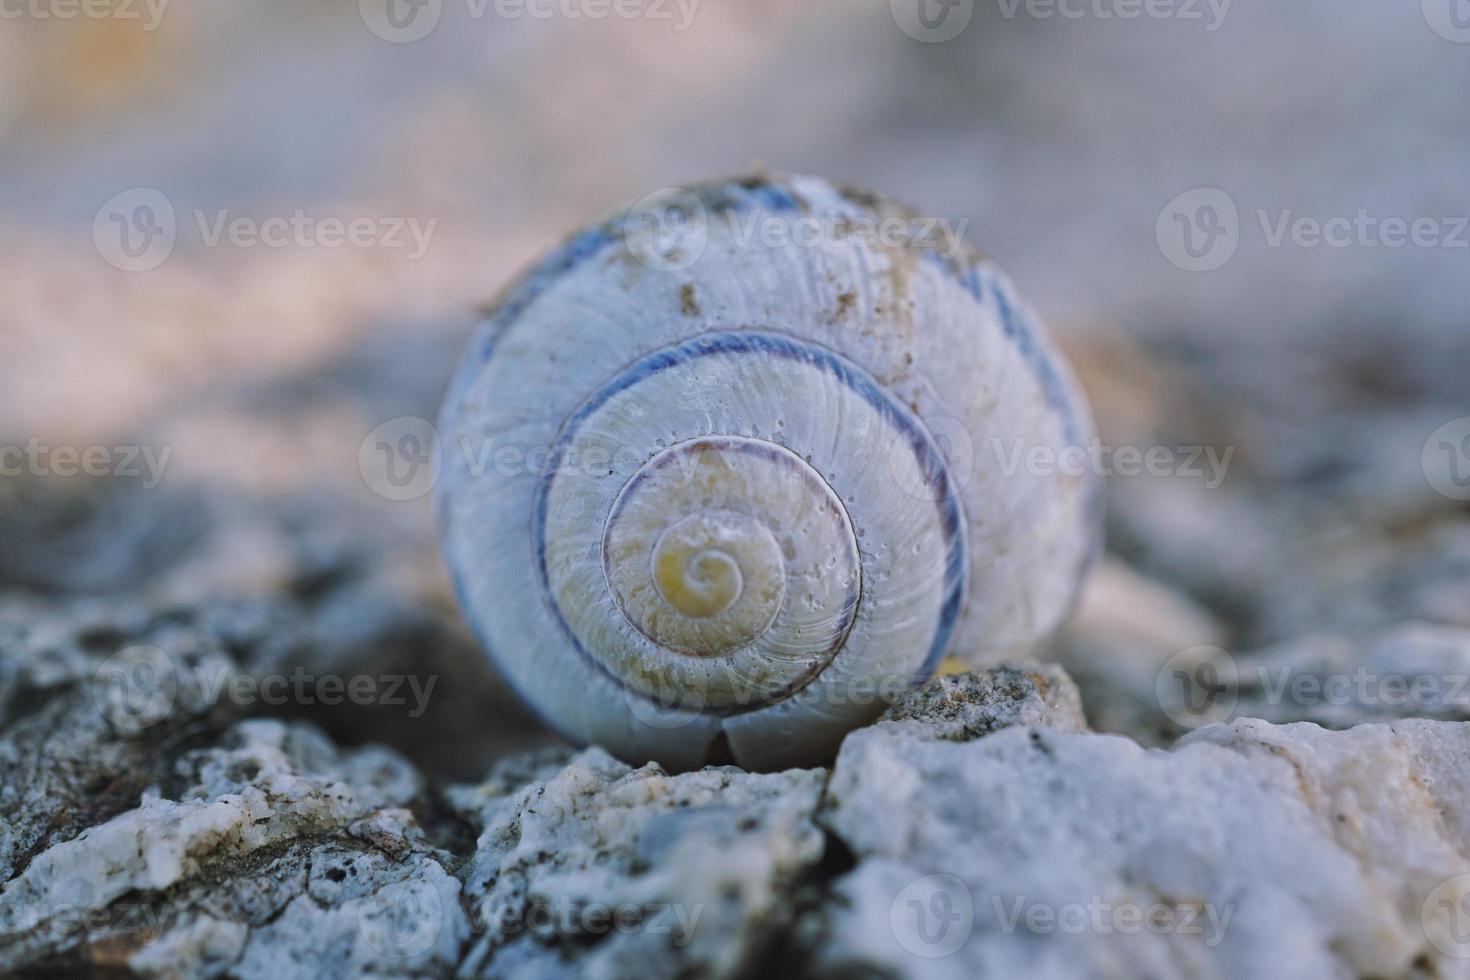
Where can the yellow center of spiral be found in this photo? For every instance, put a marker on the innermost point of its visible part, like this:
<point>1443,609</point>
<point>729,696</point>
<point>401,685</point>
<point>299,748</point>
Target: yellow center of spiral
<point>698,585</point>
<point>717,580</point>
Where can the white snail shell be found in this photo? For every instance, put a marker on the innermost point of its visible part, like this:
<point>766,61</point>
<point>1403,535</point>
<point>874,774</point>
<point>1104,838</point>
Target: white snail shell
<point>756,480</point>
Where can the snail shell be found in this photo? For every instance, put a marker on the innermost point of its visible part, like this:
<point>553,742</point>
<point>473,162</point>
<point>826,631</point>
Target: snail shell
<point>755,483</point>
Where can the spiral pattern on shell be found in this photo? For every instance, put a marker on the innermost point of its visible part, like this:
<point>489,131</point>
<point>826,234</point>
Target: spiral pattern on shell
<point>766,487</point>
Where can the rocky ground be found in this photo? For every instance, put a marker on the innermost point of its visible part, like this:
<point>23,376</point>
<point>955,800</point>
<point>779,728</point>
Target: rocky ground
<point>980,829</point>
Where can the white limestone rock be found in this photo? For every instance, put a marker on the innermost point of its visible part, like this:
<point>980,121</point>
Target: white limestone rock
<point>978,829</point>
<point>274,855</point>
<point>1048,854</point>
<point>607,871</point>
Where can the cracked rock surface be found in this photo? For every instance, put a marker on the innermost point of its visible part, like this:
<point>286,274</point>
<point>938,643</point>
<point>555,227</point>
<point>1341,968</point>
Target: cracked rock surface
<point>649,874</point>
<point>1046,853</point>
<point>978,829</point>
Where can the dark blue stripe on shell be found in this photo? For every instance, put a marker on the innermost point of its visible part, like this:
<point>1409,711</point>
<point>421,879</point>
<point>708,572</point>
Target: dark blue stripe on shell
<point>567,257</point>
<point>1023,333</point>
<point>768,197</point>
<point>775,198</point>
<point>931,463</point>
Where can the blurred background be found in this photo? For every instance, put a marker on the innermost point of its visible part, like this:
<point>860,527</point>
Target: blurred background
<point>1149,182</point>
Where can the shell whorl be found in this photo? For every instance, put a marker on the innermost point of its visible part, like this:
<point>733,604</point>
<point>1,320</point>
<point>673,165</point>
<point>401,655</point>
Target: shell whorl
<point>778,533</point>
<point>692,554</point>
<point>752,506</point>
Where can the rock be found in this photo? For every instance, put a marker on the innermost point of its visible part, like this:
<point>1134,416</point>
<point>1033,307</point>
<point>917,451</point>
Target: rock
<point>1416,670</point>
<point>1367,580</point>
<point>352,658</point>
<point>275,849</point>
<point>586,865</point>
<point>92,712</point>
<point>149,830</point>
<point>977,828</point>
<point>202,947</point>
<point>1249,846</point>
<point>962,707</point>
<point>1151,664</point>
<point>388,917</point>
<point>602,870</point>
<point>1281,565</point>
